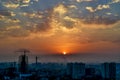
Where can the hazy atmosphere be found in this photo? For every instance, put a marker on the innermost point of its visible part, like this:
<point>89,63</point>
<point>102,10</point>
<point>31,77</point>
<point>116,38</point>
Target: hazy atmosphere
<point>85,32</point>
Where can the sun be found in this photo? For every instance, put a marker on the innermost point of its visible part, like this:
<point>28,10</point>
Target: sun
<point>64,53</point>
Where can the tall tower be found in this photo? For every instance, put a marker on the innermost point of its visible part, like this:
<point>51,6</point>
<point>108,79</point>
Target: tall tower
<point>36,60</point>
<point>23,61</point>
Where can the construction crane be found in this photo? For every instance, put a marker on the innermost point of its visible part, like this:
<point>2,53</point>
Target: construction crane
<point>24,51</point>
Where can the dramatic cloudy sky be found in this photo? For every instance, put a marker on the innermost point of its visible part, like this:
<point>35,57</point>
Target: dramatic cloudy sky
<point>88,30</point>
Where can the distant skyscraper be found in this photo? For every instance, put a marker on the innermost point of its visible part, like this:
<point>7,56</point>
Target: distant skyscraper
<point>105,70</point>
<point>76,70</point>
<point>109,71</point>
<point>69,69</point>
<point>23,63</point>
<point>112,71</point>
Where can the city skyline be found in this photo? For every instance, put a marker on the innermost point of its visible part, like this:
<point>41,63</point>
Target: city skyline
<point>83,31</point>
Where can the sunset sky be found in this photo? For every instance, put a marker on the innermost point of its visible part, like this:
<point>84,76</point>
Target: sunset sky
<point>87,30</point>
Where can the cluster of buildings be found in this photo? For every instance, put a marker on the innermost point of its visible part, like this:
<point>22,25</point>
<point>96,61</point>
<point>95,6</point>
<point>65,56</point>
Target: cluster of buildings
<point>82,71</point>
<point>58,71</point>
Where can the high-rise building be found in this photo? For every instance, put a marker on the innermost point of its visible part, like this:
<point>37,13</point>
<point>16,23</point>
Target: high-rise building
<point>76,70</point>
<point>23,63</point>
<point>105,70</point>
<point>69,69</point>
<point>109,71</point>
<point>112,71</point>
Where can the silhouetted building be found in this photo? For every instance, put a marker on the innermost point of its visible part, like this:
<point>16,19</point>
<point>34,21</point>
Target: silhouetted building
<point>112,72</point>
<point>90,74</point>
<point>23,63</point>
<point>109,71</point>
<point>69,69</point>
<point>90,71</point>
<point>76,70</point>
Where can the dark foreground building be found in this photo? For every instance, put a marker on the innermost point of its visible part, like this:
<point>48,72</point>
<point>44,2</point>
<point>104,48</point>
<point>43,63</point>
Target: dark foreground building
<point>109,71</point>
<point>23,63</point>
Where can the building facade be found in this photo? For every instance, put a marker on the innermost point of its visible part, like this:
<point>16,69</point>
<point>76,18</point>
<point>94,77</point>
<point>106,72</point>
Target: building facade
<point>109,71</point>
<point>76,70</point>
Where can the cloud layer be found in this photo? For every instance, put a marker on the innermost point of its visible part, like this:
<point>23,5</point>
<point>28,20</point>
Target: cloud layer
<point>43,18</point>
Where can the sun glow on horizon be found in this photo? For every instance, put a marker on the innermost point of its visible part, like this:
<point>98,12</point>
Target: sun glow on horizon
<point>64,53</point>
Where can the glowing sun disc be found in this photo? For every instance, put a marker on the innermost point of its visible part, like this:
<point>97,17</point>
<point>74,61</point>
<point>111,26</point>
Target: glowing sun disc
<point>64,53</point>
